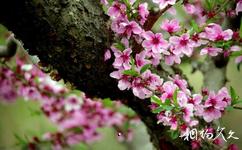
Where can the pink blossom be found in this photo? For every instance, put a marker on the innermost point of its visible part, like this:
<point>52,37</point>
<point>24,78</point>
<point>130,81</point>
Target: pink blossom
<point>104,2</point>
<point>151,80</point>
<point>124,80</point>
<point>196,100</point>
<point>155,42</point>
<point>140,60</point>
<point>182,44</point>
<point>212,51</point>
<point>163,3</point>
<point>190,8</point>
<point>198,41</point>
<point>214,32</point>
<point>219,141</point>
<point>213,107</point>
<point>122,59</point>
<point>116,9</point>
<point>29,93</point>
<point>235,48</point>
<point>182,99</point>
<point>238,7</point>
<point>170,26</point>
<point>224,96</point>
<point>139,89</point>
<point>143,12</point>
<point>238,59</point>
<point>127,28</point>
<point>215,101</point>
<point>187,112</point>
<point>168,119</point>
<point>155,59</point>
<point>168,90</point>
<point>7,90</point>
<point>116,23</point>
<point>172,58</point>
<point>195,144</point>
<point>211,114</point>
<point>181,83</point>
<point>172,11</point>
<point>233,147</point>
<point>107,55</point>
<point>72,103</point>
<point>173,123</point>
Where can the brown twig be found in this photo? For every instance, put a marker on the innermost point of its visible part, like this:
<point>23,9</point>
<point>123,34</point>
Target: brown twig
<point>154,16</point>
<point>236,107</point>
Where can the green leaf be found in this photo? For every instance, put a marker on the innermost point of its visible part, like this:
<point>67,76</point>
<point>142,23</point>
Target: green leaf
<point>229,108</point>
<point>105,9</point>
<point>238,101</point>
<point>158,110</point>
<point>127,3</point>
<point>167,102</point>
<point>132,62</point>
<point>167,107</point>
<point>208,4</point>
<point>82,146</point>
<point>234,96</point>
<point>136,3</point>
<point>174,134</point>
<point>195,26</point>
<point>119,46</point>
<point>127,111</point>
<point>237,53</point>
<point>75,92</point>
<point>232,93</point>
<point>156,99</point>
<point>144,68</point>
<point>175,97</point>
<point>20,140</point>
<point>131,73</point>
<point>107,102</point>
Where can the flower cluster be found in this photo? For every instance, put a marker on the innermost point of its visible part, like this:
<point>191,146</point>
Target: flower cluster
<point>76,116</point>
<point>133,66</point>
<point>138,52</point>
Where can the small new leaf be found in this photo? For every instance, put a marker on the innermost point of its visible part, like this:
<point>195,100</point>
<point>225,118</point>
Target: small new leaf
<point>158,110</point>
<point>195,26</point>
<point>234,96</point>
<point>107,102</point>
<point>229,108</point>
<point>119,46</point>
<point>156,99</point>
<point>175,97</point>
<point>237,53</point>
<point>131,73</point>
<point>144,68</point>
<point>174,134</point>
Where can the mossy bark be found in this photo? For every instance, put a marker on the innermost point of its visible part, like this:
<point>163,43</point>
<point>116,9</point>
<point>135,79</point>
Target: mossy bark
<point>71,35</point>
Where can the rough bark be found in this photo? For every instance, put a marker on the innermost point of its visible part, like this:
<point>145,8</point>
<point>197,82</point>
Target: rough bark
<point>71,35</point>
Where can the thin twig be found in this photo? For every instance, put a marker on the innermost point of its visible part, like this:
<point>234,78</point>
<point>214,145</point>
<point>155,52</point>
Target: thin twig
<point>153,17</point>
<point>236,107</point>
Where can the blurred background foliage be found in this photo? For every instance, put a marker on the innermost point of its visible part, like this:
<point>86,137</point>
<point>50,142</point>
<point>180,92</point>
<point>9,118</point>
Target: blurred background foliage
<point>23,119</point>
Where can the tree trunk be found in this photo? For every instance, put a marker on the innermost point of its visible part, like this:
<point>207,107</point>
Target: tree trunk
<point>71,36</point>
